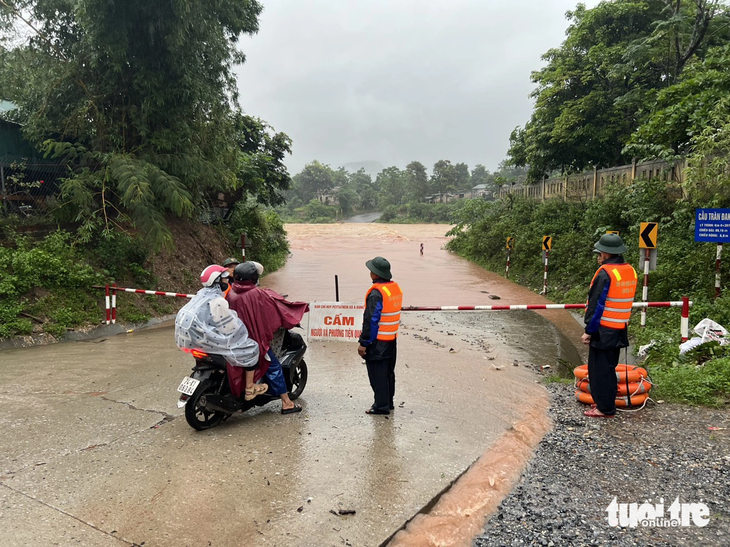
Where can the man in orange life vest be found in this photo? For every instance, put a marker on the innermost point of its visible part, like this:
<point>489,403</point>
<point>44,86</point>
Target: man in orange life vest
<point>607,316</point>
<point>377,341</point>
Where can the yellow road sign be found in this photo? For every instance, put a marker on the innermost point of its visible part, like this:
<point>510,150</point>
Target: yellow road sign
<point>510,243</point>
<point>547,243</point>
<point>648,235</point>
<point>612,232</point>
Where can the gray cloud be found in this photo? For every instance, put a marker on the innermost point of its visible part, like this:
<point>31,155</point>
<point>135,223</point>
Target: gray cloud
<point>398,80</point>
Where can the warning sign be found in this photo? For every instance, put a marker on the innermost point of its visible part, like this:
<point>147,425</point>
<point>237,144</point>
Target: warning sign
<point>335,321</point>
<point>547,243</point>
<point>648,234</point>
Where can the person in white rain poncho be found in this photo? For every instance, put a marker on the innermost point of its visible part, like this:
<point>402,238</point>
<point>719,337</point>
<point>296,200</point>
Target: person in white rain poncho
<point>208,324</point>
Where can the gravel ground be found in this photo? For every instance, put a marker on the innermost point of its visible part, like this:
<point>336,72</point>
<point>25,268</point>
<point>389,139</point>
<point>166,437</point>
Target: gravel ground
<point>663,451</point>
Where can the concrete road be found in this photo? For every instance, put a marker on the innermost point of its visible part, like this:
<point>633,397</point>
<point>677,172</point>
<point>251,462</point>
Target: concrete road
<point>96,452</point>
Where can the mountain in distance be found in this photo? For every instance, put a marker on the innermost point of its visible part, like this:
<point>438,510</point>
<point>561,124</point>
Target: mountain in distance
<point>372,168</point>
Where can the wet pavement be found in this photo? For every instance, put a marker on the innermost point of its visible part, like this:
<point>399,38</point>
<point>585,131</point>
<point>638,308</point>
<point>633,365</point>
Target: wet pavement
<point>97,453</point>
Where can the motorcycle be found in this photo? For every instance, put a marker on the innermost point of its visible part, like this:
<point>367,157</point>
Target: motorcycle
<point>206,393</point>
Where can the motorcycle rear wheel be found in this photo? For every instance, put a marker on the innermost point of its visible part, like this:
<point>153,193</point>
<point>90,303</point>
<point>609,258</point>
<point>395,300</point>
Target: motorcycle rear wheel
<point>196,415</point>
<point>297,380</point>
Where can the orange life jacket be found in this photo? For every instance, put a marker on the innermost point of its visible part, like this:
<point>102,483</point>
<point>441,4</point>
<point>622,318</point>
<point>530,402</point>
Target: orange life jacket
<point>390,315</point>
<point>620,295</point>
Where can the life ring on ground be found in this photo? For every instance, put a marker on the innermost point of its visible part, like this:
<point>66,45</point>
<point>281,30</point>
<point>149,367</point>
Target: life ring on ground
<point>633,373</point>
<point>642,386</point>
<point>636,400</point>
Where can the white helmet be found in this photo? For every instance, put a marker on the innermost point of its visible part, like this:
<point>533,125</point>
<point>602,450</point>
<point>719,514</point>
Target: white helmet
<point>212,274</point>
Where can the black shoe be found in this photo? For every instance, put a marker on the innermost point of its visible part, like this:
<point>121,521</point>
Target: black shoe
<point>379,412</point>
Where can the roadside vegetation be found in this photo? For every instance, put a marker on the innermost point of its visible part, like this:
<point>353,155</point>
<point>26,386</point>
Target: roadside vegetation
<point>131,109</point>
<point>633,79</point>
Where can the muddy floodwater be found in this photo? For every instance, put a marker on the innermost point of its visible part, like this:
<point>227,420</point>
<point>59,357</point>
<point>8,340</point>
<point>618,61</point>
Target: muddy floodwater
<point>97,453</point>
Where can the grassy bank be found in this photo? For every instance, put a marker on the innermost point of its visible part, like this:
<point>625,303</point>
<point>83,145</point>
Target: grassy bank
<point>45,283</point>
<point>683,268</point>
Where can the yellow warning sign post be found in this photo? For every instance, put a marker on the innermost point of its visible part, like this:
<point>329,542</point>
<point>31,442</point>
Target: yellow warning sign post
<point>547,243</point>
<point>648,235</point>
<point>648,232</point>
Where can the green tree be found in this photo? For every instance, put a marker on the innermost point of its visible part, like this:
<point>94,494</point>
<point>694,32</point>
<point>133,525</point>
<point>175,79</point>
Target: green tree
<point>391,186</point>
<point>348,198</point>
<point>462,177</point>
<point>682,111</point>
<point>314,181</point>
<point>593,92</point>
<point>417,181</point>
<point>363,184</point>
<point>137,98</point>
<point>443,178</point>
<point>481,175</point>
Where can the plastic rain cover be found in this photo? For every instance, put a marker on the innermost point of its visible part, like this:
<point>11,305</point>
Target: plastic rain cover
<point>208,324</point>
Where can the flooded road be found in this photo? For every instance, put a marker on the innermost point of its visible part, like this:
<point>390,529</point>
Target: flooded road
<point>97,453</point>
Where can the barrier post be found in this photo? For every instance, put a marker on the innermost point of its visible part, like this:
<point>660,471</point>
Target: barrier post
<point>243,246</point>
<point>544,284</point>
<point>108,308</point>
<point>506,271</point>
<point>718,260</point>
<point>685,318</point>
<point>645,290</point>
<point>114,303</point>
<point>337,289</point>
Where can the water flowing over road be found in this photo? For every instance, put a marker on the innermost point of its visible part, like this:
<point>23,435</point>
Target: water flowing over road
<point>97,453</point>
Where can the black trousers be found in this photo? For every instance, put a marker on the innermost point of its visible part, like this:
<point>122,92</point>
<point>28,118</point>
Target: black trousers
<point>381,373</point>
<point>602,377</point>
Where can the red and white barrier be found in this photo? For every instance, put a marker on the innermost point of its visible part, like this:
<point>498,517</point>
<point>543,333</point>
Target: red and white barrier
<point>685,318</point>
<point>685,303</point>
<point>111,298</point>
<point>672,304</point>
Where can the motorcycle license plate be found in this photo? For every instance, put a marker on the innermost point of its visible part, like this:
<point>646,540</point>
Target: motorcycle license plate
<point>188,385</point>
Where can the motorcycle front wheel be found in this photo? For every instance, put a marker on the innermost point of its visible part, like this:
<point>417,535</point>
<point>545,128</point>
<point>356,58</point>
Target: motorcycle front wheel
<point>297,380</point>
<point>196,415</point>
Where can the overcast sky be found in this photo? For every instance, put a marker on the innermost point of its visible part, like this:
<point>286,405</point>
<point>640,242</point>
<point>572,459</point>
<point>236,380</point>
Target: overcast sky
<point>394,81</point>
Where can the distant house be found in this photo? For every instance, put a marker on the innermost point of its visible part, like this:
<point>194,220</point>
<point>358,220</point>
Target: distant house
<point>442,197</point>
<point>329,197</point>
<point>482,191</point>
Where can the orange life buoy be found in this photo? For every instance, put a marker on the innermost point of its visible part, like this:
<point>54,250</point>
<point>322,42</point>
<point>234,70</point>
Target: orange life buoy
<point>634,387</point>
<point>636,400</point>
<point>622,371</point>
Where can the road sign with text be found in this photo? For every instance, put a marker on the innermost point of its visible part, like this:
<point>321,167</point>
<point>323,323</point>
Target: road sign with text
<point>648,235</point>
<point>712,225</point>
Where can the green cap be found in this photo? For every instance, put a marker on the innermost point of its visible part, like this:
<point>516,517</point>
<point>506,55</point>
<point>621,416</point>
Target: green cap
<point>230,261</point>
<point>380,267</point>
<point>611,244</point>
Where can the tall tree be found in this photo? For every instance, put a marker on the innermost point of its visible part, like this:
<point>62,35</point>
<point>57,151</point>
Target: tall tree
<point>443,178</point>
<point>462,176</point>
<point>391,186</point>
<point>314,181</point>
<point>365,188</point>
<point>137,97</point>
<point>416,181</point>
<point>684,110</point>
<point>595,88</point>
